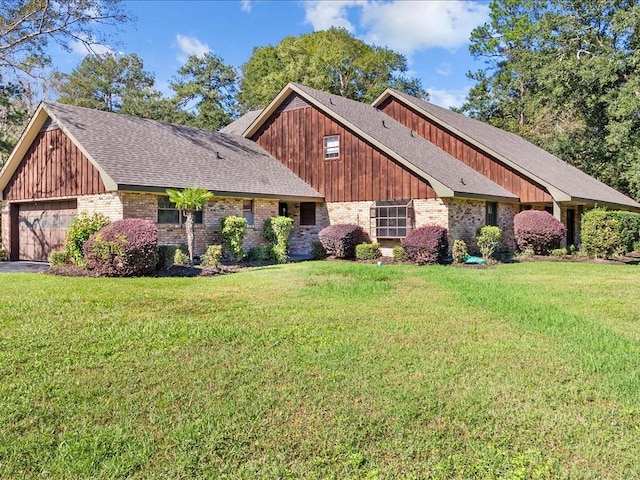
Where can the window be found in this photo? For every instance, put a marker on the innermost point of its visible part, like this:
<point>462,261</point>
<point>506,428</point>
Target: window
<point>283,209</point>
<point>307,213</point>
<point>491,213</point>
<point>247,211</point>
<point>393,218</point>
<point>169,213</point>
<point>331,147</point>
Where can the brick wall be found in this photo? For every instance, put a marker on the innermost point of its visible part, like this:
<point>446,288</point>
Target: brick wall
<point>109,204</point>
<point>303,236</point>
<point>357,213</point>
<point>4,225</point>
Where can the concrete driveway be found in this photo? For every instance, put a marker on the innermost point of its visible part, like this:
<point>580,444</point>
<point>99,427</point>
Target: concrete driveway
<point>23,267</point>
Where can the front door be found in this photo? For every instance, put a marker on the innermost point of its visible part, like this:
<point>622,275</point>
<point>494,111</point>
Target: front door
<point>571,227</point>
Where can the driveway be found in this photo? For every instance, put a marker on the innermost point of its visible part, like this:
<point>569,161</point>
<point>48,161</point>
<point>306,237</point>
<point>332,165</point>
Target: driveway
<point>24,267</point>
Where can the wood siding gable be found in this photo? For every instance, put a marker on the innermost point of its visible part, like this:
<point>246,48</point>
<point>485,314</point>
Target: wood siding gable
<point>294,134</point>
<point>53,167</point>
<point>519,184</point>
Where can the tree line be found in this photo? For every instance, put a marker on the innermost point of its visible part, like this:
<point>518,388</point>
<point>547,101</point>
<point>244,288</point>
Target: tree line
<point>564,74</point>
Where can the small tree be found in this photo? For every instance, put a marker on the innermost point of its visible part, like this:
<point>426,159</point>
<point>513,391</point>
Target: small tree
<point>189,201</point>
<point>488,239</point>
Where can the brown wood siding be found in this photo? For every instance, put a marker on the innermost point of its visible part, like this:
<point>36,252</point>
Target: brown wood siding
<point>492,168</point>
<point>61,171</point>
<point>361,172</point>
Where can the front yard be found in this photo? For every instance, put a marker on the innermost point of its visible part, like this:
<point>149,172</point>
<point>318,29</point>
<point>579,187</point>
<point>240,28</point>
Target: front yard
<point>324,370</point>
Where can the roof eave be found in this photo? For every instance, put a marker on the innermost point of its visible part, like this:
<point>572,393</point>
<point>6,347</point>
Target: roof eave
<point>224,193</point>
<point>488,198</point>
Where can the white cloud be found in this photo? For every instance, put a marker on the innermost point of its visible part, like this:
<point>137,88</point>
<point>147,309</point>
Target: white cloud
<point>85,48</point>
<point>190,46</point>
<point>448,98</point>
<point>411,26</point>
<point>324,14</point>
<point>246,6</point>
<point>404,26</point>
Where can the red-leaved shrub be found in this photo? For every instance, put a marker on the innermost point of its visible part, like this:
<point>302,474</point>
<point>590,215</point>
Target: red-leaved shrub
<point>537,230</point>
<point>340,240</point>
<point>124,248</point>
<point>426,245</point>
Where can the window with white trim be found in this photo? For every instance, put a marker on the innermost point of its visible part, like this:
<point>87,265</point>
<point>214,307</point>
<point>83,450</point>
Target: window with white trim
<point>393,218</point>
<point>331,147</point>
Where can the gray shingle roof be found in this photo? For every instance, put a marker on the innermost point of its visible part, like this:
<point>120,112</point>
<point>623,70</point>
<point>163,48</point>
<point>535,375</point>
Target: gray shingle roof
<point>149,154</point>
<point>426,159</point>
<point>238,126</point>
<point>527,157</point>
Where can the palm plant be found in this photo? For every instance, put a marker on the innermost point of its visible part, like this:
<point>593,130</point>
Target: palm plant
<point>189,200</point>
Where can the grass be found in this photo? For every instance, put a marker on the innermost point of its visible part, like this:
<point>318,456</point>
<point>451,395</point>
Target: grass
<point>324,370</point>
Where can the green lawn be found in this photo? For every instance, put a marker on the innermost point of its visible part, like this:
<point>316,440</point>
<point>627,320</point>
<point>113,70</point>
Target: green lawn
<point>324,370</point>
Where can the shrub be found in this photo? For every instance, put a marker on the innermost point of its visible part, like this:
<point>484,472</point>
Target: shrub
<point>398,253</point>
<point>459,251</point>
<point>426,245</point>
<point>261,253</point>
<point>340,240</point>
<point>277,231</point>
<point>600,234</point>
<point>488,239</point>
<point>124,248</point>
<point>79,232</point>
<point>233,232</point>
<point>4,256</point>
<point>211,257</point>
<point>558,252</point>
<point>166,254</point>
<point>628,229</point>
<point>368,251</point>
<point>317,251</point>
<point>636,246</point>
<point>58,258</point>
<point>537,230</point>
<point>181,256</point>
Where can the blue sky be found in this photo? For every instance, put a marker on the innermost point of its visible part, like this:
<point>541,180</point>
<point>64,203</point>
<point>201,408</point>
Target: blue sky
<point>433,35</point>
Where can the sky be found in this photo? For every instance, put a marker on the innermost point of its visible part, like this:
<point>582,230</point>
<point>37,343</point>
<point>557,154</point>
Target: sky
<point>433,35</point>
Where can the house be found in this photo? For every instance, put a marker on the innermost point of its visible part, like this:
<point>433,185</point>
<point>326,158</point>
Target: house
<point>72,159</point>
<point>319,158</point>
<point>403,162</point>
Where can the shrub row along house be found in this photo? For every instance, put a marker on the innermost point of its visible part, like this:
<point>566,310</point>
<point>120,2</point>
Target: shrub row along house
<point>319,158</point>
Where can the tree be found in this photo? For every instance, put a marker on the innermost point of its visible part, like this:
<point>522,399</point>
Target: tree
<point>189,201</point>
<point>330,60</point>
<point>106,82</point>
<point>565,75</point>
<point>206,88</point>
<point>13,114</point>
<point>27,27</point>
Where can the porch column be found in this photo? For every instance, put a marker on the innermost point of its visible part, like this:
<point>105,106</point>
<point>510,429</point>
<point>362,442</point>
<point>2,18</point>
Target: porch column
<point>557,212</point>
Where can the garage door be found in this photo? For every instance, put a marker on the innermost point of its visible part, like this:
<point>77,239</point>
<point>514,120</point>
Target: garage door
<point>42,227</point>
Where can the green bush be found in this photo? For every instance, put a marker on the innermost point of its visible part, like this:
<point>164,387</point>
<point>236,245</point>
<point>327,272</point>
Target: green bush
<point>181,256</point>
<point>79,232</point>
<point>368,251</point>
<point>459,251</point>
<point>277,231</point>
<point>261,253</point>
<point>398,253</point>
<point>59,258</point>
<point>317,251</point>
<point>488,239</point>
<point>600,233</point>
<point>4,256</point>
<point>233,232</point>
<point>166,254</point>
<point>211,257</point>
<point>636,246</point>
<point>558,252</point>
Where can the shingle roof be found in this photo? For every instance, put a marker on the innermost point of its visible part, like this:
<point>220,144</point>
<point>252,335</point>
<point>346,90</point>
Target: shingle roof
<point>530,159</point>
<point>136,152</point>
<point>238,126</point>
<point>424,158</point>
